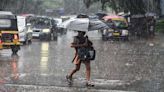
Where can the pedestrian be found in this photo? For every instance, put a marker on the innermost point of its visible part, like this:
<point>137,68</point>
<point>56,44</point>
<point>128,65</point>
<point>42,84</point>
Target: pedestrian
<point>151,26</point>
<point>80,41</point>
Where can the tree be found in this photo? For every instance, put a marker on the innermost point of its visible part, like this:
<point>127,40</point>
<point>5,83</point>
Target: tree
<point>134,6</point>
<point>22,6</point>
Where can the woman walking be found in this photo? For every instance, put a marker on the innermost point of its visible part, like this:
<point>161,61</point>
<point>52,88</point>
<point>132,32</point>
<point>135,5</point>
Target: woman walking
<point>80,41</point>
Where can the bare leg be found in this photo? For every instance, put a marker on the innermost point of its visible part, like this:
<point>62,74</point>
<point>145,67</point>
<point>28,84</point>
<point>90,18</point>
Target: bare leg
<point>88,70</point>
<point>88,73</point>
<point>77,68</point>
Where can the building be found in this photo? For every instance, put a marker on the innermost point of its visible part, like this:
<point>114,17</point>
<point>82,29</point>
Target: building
<point>162,7</point>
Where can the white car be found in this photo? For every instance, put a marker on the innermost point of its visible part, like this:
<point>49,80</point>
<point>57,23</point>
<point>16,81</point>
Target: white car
<point>36,32</point>
<point>25,32</point>
<point>42,28</point>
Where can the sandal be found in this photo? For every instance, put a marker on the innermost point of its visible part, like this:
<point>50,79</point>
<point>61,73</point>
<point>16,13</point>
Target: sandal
<point>69,79</point>
<point>89,84</point>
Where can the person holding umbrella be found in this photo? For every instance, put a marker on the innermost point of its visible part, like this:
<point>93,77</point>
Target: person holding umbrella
<point>80,41</point>
<point>82,44</point>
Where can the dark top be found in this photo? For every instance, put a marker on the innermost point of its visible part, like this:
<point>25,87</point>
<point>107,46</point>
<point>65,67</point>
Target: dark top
<point>81,40</point>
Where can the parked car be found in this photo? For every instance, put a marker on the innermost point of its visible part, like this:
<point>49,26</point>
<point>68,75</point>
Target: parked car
<point>25,32</point>
<point>9,35</point>
<point>118,28</point>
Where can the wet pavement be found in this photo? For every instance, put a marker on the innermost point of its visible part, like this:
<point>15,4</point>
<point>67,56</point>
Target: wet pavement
<point>134,66</point>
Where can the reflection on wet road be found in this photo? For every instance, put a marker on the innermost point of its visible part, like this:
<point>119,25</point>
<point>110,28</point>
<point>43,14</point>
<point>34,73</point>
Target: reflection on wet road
<point>42,66</point>
<point>44,57</point>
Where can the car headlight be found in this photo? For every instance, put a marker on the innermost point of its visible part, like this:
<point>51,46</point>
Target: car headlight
<point>125,32</point>
<point>46,30</point>
<point>29,30</point>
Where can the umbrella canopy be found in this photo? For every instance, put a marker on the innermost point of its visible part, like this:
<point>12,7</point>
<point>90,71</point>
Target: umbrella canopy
<point>101,15</point>
<point>84,24</point>
<point>82,16</point>
<point>96,24</point>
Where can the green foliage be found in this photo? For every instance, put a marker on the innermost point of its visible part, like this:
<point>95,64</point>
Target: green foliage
<point>89,2</point>
<point>133,6</point>
<point>29,6</point>
<point>160,26</point>
<point>53,4</point>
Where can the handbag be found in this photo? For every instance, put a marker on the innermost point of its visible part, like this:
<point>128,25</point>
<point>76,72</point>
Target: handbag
<point>92,53</point>
<point>86,53</point>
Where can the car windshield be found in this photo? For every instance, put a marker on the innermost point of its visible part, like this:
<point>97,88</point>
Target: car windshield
<point>7,16</point>
<point>5,23</point>
<point>120,24</point>
<point>42,23</point>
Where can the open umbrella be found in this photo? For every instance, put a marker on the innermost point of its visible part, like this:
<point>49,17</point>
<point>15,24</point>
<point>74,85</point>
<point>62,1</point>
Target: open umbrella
<point>84,24</point>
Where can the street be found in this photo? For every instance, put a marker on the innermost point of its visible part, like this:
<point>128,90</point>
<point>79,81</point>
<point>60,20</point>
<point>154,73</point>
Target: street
<point>120,66</point>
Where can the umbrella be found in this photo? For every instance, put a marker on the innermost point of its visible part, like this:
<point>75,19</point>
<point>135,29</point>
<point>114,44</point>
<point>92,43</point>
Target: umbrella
<point>84,24</point>
<point>101,15</point>
<point>82,16</point>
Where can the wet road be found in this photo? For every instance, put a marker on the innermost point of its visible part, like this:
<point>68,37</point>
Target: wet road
<point>134,66</point>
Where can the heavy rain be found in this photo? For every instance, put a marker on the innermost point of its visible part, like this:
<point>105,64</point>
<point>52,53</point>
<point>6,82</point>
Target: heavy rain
<point>38,48</point>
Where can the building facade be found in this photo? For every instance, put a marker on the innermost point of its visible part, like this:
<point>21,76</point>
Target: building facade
<point>162,7</point>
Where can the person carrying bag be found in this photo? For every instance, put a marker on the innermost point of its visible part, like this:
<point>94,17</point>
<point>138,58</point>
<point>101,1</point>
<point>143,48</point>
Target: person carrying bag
<point>83,46</point>
<point>87,53</point>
